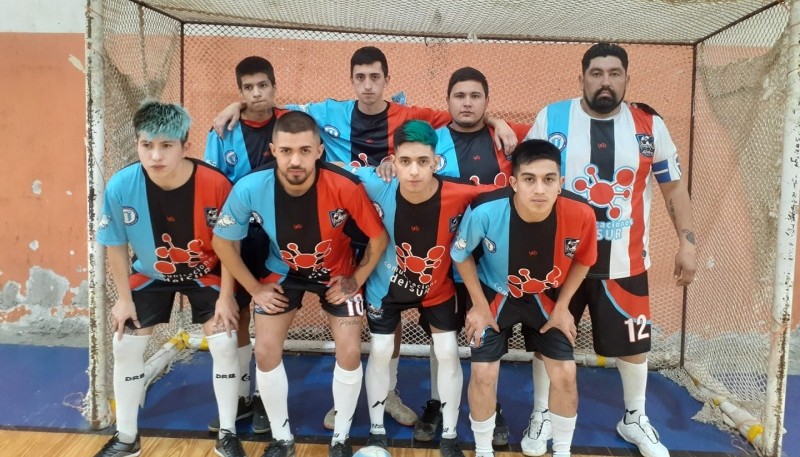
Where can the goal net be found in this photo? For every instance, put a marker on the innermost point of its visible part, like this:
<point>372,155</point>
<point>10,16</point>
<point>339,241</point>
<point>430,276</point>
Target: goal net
<point>715,71</point>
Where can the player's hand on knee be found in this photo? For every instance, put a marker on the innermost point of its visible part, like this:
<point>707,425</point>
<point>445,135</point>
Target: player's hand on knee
<point>227,119</point>
<point>562,320</point>
<point>340,288</point>
<point>385,170</point>
<point>270,298</point>
<point>478,319</point>
<point>226,314</point>
<point>685,266</point>
<point>120,313</point>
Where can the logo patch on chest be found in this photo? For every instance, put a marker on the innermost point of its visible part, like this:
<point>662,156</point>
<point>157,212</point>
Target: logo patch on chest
<point>337,217</point>
<point>212,214</point>
<point>454,222</point>
<point>647,145</point>
<point>570,246</point>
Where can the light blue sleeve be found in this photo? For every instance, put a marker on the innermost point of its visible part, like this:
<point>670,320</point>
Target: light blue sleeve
<point>233,221</point>
<point>470,233</point>
<point>111,229</point>
<point>317,110</point>
<point>215,153</point>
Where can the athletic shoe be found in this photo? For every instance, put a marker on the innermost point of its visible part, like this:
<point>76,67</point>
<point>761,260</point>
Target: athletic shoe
<point>340,449</point>
<point>431,420</point>
<point>229,445</point>
<point>260,419</point>
<point>448,447</point>
<point>243,409</point>
<point>376,439</point>
<point>644,436</point>
<point>116,448</point>
<point>501,432</point>
<point>330,420</point>
<point>534,439</point>
<point>400,412</point>
<point>279,448</point>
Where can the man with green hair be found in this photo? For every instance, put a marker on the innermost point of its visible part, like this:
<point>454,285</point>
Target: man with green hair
<point>164,208</point>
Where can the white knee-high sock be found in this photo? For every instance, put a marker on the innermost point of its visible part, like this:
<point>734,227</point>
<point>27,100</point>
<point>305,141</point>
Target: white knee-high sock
<point>128,383</point>
<point>346,387</point>
<point>563,428</point>
<point>377,380</point>
<point>450,380</point>
<point>274,386</point>
<point>634,388</point>
<point>541,386</point>
<point>434,374</point>
<point>483,436</point>
<point>245,354</point>
<point>393,373</point>
<point>225,375</point>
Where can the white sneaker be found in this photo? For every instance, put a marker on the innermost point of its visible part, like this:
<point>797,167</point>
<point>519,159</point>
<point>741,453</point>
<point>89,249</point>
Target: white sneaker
<point>644,436</point>
<point>534,439</point>
<point>400,412</point>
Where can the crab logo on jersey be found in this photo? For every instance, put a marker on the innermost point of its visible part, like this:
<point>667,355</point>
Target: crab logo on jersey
<point>191,256</point>
<point>407,261</point>
<point>524,284</point>
<point>104,221</point>
<point>647,146</point>
<point>490,246</point>
<point>337,216</point>
<point>454,222</point>
<point>558,140</point>
<point>256,218</point>
<point>331,130</point>
<point>212,214</point>
<point>602,193</point>
<point>378,209</point>
<point>231,159</point>
<point>129,215</point>
<point>314,261</point>
<point>570,246</point>
<point>226,221</point>
<point>441,162</point>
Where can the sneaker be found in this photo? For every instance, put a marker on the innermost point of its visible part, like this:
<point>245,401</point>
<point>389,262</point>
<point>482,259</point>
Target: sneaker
<point>243,409</point>
<point>340,449</point>
<point>279,448</point>
<point>501,432</point>
<point>378,440</point>
<point>400,412</point>
<point>116,448</point>
<point>330,420</point>
<point>534,439</point>
<point>260,419</point>
<point>644,436</point>
<point>448,447</point>
<point>229,445</point>
<point>431,420</point>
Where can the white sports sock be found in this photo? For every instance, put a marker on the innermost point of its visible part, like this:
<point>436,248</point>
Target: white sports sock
<point>450,378</point>
<point>541,386</point>
<point>245,356</point>
<point>483,436</point>
<point>274,386</point>
<point>128,383</point>
<point>563,428</point>
<point>346,388</point>
<point>393,373</point>
<point>377,379</point>
<point>634,388</point>
<point>434,374</point>
<point>225,376</point>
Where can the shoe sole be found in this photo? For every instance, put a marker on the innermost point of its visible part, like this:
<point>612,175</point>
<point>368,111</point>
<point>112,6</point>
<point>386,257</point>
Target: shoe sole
<point>404,423</point>
<point>644,454</point>
<point>535,452</point>
<point>261,431</point>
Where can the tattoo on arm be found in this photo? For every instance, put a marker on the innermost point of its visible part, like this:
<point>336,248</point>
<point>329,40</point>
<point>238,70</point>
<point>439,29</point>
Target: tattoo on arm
<point>365,259</point>
<point>671,209</point>
<point>689,235</point>
<point>349,285</point>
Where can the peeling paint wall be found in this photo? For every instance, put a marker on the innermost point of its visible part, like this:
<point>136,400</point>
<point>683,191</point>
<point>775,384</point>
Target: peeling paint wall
<point>42,123</point>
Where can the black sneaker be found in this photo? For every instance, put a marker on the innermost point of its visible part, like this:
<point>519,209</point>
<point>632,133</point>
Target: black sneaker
<point>229,445</point>
<point>116,448</point>
<point>340,449</point>
<point>448,447</point>
<point>425,428</point>
<point>243,409</point>
<point>260,419</point>
<point>279,448</point>
<point>501,432</point>
<point>379,440</point>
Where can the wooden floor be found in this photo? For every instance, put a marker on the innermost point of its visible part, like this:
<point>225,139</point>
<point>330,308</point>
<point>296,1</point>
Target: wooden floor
<point>36,444</point>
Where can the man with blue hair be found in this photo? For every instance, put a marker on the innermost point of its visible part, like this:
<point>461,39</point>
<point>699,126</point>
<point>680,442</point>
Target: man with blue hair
<point>164,208</point>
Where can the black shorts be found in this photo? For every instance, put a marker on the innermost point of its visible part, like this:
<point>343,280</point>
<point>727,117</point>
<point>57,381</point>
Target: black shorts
<point>620,312</point>
<point>444,316</point>
<point>154,301</point>
<point>553,344</point>
<point>294,289</point>
<point>255,249</point>
<point>460,310</point>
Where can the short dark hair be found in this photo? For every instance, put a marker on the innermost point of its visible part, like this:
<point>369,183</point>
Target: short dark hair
<point>252,65</point>
<point>604,49</point>
<point>531,150</point>
<point>416,131</point>
<point>368,55</point>
<point>295,122</point>
<point>467,74</point>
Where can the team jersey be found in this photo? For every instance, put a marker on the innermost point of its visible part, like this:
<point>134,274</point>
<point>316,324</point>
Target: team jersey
<point>244,149</point>
<point>523,259</point>
<point>305,232</point>
<point>359,139</point>
<point>169,231</point>
<point>473,155</point>
<point>415,269</point>
<point>611,163</point>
